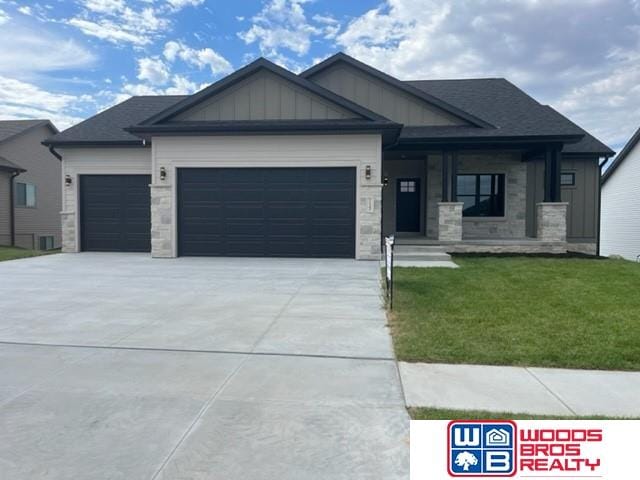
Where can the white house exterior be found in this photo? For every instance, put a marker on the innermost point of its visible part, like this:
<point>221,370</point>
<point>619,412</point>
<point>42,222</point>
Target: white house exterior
<point>620,234</point>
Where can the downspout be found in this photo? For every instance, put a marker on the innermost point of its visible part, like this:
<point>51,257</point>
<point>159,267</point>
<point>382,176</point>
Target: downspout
<point>12,215</point>
<point>54,153</point>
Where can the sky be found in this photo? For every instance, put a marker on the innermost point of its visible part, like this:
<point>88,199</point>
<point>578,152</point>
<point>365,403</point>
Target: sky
<point>68,59</point>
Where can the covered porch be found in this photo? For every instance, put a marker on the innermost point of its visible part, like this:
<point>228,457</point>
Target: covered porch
<point>480,198</point>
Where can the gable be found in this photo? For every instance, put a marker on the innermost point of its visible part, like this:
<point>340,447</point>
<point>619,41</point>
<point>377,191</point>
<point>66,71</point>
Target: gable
<point>382,97</point>
<point>265,96</point>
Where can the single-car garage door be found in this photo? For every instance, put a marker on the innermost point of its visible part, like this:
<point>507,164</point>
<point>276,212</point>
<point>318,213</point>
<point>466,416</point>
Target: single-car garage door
<point>115,213</point>
<point>267,212</point>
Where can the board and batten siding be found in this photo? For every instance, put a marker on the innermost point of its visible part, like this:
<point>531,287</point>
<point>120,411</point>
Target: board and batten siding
<point>582,211</point>
<point>265,96</point>
<point>356,151</point>
<point>43,171</point>
<point>620,233</point>
<point>383,98</point>
<point>94,161</point>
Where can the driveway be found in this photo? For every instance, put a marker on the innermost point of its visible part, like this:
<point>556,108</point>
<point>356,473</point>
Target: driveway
<point>123,366</point>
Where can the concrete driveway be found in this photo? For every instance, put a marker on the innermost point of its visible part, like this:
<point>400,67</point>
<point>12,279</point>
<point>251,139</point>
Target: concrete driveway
<point>123,366</point>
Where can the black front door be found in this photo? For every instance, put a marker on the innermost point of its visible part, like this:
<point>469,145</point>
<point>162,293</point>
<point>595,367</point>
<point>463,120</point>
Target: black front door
<point>408,205</point>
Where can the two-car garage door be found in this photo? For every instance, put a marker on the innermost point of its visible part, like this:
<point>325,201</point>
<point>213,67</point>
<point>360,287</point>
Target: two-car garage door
<point>272,212</point>
<point>267,212</point>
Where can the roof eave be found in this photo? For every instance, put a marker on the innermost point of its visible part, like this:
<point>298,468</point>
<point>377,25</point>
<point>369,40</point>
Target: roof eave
<point>93,143</point>
<point>491,138</point>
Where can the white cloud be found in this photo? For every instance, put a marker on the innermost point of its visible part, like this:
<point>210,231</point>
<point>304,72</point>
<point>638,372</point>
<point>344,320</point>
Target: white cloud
<point>153,70</point>
<point>4,17</point>
<point>25,10</point>
<point>180,85</point>
<point>281,24</point>
<point>39,51</point>
<point>104,6</point>
<point>592,78</point>
<point>19,100</point>
<point>180,4</point>
<point>330,25</point>
<point>114,22</point>
<point>202,58</point>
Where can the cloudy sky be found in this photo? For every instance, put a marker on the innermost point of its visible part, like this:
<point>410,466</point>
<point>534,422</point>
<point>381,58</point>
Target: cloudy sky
<point>68,59</point>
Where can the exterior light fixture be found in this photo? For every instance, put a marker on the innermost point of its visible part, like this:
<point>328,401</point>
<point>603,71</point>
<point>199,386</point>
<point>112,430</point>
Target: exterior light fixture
<point>385,181</point>
<point>67,180</point>
<point>367,172</point>
<point>163,173</point>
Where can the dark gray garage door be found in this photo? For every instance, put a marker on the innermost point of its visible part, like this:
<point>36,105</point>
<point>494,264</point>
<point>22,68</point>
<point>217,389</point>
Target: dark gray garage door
<point>267,212</point>
<point>115,213</point>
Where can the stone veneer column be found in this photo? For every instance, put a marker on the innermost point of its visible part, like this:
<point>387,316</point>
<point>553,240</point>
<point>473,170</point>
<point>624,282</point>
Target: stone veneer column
<point>161,216</point>
<point>450,221</point>
<point>68,221</point>
<point>551,221</point>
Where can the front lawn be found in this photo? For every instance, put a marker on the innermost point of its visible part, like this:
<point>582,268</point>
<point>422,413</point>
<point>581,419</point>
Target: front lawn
<point>13,253</point>
<point>551,312</point>
<point>445,414</point>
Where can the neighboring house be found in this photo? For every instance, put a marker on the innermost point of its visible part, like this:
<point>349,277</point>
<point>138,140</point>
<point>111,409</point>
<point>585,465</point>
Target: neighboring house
<point>621,203</point>
<point>30,186</point>
<point>322,164</point>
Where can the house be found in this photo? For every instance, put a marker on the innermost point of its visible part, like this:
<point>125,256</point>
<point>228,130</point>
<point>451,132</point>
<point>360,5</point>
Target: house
<point>30,178</point>
<point>265,162</point>
<point>621,203</point>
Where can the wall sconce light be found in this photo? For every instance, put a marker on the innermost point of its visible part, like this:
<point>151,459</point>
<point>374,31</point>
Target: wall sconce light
<point>367,172</point>
<point>385,181</point>
<point>163,173</point>
<point>67,180</point>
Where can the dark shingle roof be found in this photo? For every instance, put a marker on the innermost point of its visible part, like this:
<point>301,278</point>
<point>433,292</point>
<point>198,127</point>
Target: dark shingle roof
<point>633,141</point>
<point>12,128</point>
<point>8,166</point>
<point>107,126</point>
<point>504,105</point>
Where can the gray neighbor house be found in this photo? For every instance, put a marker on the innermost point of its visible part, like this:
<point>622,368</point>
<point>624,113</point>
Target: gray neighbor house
<point>30,186</point>
<point>265,162</point>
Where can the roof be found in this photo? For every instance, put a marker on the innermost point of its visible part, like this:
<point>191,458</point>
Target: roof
<point>8,166</point>
<point>497,109</point>
<point>626,150</point>
<point>511,110</point>
<point>405,86</point>
<point>12,128</point>
<point>107,127</point>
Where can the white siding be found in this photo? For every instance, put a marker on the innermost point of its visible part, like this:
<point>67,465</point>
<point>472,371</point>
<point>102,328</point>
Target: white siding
<point>96,161</point>
<point>620,234</point>
<point>283,151</point>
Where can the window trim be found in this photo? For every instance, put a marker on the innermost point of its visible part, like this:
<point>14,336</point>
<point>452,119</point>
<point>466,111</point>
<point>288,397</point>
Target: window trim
<point>35,195</point>
<point>493,218</point>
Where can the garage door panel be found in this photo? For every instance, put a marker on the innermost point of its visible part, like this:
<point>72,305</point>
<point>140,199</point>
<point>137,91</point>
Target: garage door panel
<point>115,213</point>
<point>290,212</point>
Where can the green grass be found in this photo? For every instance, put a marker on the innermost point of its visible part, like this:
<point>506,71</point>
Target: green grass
<point>551,312</point>
<point>13,253</point>
<point>445,414</point>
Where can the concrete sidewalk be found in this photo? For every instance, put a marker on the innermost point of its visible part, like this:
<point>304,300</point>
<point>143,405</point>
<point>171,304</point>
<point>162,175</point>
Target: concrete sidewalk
<point>549,391</point>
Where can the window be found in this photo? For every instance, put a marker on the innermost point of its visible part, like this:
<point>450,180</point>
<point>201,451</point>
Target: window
<point>25,195</point>
<point>407,186</point>
<point>482,195</point>
<point>567,179</point>
<point>46,242</point>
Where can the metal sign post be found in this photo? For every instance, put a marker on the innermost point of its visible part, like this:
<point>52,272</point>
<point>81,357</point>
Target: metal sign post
<point>388,250</point>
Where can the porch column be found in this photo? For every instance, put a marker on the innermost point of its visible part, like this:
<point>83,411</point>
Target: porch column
<point>551,215</point>
<point>449,211</point>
